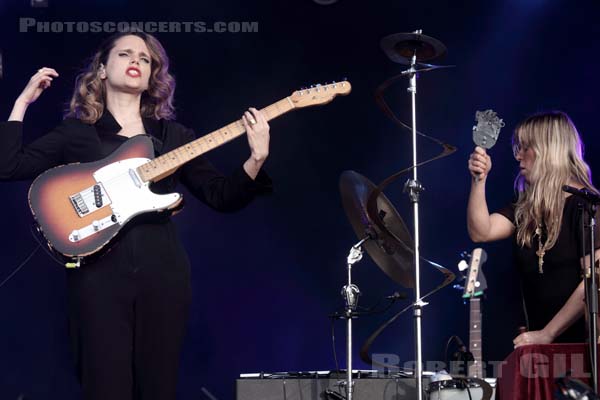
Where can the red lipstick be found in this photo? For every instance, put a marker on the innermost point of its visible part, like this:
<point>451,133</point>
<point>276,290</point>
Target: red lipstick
<point>133,72</point>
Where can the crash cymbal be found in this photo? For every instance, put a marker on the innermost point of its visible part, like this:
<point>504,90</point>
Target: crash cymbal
<point>400,47</point>
<point>394,255</point>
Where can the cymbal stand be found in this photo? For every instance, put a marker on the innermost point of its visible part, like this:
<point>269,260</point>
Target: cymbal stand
<point>414,188</point>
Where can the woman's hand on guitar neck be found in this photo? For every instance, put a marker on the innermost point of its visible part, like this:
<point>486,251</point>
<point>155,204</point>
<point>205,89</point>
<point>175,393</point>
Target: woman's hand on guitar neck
<point>36,85</point>
<point>257,130</point>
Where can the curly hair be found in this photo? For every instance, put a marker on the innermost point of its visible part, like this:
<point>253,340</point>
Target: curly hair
<point>89,96</point>
<point>558,161</point>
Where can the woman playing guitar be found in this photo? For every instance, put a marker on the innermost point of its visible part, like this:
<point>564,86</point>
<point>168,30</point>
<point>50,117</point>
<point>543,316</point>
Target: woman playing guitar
<point>128,308</point>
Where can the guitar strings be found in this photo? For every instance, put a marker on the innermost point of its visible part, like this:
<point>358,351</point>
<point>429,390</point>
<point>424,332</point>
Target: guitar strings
<point>238,124</point>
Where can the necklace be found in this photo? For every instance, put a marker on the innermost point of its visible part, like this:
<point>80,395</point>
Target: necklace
<point>541,249</point>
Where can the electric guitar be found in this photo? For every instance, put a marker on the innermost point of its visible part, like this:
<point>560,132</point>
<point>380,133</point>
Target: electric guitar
<point>475,285</point>
<point>80,208</point>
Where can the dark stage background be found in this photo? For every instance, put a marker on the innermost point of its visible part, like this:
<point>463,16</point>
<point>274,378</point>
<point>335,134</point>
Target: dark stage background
<point>266,278</point>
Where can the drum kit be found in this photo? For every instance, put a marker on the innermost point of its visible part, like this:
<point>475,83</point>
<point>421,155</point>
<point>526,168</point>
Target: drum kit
<point>383,234</point>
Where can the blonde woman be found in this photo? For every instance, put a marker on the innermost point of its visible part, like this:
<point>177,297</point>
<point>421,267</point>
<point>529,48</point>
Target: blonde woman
<point>128,309</point>
<point>544,223</point>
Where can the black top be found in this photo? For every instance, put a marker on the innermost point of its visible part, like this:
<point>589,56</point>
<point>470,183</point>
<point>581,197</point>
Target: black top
<point>545,294</point>
<point>75,141</point>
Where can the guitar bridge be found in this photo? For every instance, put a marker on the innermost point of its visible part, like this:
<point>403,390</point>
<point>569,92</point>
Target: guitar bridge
<point>89,200</point>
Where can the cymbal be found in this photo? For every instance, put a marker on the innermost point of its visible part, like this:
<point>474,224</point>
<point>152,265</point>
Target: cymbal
<point>394,255</point>
<point>400,47</point>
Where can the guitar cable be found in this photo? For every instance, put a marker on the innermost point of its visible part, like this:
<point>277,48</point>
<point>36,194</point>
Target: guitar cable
<point>335,359</point>
<point>18,268</point>
<point>367,311</point>
<point>40,245</point>
<point>36,235</point>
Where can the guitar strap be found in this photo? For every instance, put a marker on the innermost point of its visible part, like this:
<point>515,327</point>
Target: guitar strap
<point>158,143</point>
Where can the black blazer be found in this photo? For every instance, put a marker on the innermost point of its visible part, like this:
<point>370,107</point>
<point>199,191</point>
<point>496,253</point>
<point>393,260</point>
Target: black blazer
<point>75,141</point>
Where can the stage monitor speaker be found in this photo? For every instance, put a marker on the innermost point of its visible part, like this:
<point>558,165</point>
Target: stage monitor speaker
<point>313,389</point>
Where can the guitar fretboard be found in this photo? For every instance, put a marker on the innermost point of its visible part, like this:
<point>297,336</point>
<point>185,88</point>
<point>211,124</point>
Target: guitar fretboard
<point>476,368</point>
<point>168,163</point>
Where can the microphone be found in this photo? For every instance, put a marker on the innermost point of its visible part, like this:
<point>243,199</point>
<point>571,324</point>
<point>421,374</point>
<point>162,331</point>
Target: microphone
<point>584,194</point>
<point>351,294</point>
<point>461,346</point>
<point>462,354</point>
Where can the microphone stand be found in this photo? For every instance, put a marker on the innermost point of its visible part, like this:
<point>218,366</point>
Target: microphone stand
<point>591,286</point>
<point>588,209</point>
<point>350,293</point>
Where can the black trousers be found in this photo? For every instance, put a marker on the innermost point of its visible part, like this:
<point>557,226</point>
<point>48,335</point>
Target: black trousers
<point>127,315</point>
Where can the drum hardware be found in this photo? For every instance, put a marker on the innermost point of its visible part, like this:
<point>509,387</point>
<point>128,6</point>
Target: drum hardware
<point>373,216</point>
<point>569,388</point>
<point>388,243</point>
<point>461,388</point>
<point>411,49</point>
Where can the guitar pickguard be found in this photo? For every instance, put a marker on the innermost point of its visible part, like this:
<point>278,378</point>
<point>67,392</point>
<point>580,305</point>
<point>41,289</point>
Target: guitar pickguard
<point>124,192</point>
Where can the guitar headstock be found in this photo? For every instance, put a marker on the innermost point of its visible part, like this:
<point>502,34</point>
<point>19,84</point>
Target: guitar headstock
<point>319,94</point>
<point>488,127</point>
<point>475,283</point>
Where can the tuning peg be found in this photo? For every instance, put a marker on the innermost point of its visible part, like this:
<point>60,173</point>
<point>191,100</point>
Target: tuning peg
<point>462,265</point>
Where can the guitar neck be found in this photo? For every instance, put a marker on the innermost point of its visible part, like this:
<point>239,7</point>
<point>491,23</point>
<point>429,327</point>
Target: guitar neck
<point>168,163</point>
<point>475,369</point>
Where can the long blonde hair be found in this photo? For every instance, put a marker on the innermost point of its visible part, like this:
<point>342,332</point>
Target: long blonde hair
<point>89,97</point>
<point>558,161</point>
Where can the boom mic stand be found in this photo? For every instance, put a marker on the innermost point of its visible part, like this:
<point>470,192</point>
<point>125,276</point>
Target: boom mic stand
<point>588,209</point>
